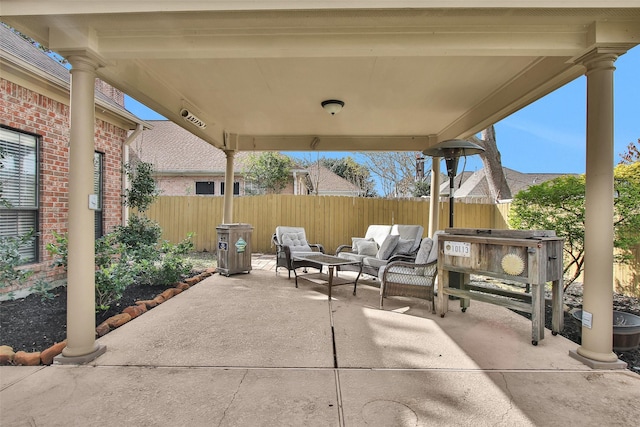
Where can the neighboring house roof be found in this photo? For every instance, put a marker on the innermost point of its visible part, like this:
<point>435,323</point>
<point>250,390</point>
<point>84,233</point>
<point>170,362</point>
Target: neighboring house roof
<point>328,183</point>
<point>173,150</point>
<point>475,183</point>
<point>19,51</point>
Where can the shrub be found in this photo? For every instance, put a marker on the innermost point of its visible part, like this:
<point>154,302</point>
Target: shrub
<point>10,259</point>
<point>111,282</point>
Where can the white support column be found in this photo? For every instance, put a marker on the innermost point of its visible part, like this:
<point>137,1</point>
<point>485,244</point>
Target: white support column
<point>227,216</point>
<point>81,326</point>
<point>597,341</point>
<point>434,205</point>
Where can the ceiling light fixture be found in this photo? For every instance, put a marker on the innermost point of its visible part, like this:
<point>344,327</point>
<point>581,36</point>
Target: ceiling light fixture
<point>191,118</point>
<point>332,106</point>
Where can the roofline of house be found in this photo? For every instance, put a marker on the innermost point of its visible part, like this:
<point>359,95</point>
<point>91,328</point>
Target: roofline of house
<point>34,73</point>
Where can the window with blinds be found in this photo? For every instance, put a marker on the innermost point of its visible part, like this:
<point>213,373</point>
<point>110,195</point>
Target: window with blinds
<point>236,188</point>
<point>98,178</point>
<point>19,190</point>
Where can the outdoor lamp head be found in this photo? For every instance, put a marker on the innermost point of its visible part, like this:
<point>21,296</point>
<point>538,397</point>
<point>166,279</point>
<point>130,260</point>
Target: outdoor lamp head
<point>453,148</point>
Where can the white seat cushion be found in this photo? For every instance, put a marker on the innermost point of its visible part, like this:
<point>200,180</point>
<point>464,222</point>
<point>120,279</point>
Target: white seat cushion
<point>409,232</point>
<point>294,237</point>
<point>378,233</point>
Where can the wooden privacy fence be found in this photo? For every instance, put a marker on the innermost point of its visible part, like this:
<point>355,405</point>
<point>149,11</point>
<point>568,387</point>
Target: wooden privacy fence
<point>329,220</point>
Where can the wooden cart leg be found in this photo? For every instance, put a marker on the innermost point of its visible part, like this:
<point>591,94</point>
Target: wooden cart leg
<point>557,301</point>
<point>443,300</point>
<point>537,313</point>
<point>465,302</point>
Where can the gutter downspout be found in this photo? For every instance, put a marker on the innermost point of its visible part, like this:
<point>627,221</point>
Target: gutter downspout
<point>125,159</point>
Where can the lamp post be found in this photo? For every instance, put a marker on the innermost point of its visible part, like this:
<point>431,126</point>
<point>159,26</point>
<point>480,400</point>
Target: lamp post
<point>452,150</point>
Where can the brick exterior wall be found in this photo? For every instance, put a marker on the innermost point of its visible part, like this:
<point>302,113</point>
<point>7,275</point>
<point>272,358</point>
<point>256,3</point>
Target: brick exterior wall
<point>186,185</point>
<point>27,111</point>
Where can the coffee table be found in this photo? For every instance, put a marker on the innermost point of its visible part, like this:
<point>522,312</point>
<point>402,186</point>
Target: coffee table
<point>331,262</point>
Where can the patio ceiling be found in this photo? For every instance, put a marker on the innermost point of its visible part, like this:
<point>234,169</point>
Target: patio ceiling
<point>409,77</point>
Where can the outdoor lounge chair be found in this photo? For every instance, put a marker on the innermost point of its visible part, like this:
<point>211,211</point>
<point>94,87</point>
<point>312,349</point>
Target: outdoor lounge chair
<point>412,278</point>
<point>293,240</point>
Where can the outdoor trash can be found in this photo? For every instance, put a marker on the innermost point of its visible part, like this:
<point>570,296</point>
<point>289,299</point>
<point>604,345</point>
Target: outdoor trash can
<point>234,248</point>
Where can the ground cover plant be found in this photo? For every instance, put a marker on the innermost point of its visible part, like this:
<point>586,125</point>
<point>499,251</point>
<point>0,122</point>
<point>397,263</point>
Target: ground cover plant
<point>37,322</point>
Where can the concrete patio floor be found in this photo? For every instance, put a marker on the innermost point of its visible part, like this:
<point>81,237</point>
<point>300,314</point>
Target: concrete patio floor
<point>252,350</point>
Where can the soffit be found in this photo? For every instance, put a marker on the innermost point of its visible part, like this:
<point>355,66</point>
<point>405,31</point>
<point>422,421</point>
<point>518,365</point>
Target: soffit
<point>409,77</point>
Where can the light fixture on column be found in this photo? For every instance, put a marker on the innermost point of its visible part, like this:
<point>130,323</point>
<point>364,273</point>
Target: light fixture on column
<point>332,106</point>
<point>452,150</point>
<point>191,118</point>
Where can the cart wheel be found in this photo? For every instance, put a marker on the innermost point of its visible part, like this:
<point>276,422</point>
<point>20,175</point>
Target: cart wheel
<point>534,342</point>
<point>464,309</point>
<point>442,315</point>
<point>554,333</point>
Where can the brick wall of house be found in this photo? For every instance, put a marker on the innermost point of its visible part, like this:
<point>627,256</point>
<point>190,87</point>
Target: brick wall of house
<point>186,185</point>
<point>27,111</point>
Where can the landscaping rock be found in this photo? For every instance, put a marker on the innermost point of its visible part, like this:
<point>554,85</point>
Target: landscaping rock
<point>135,310</point>
<point>46,357</point>
<point>27,359</point>
<point>192,280</point>
<point>168,294</point>
<point>103,329</point>
<point>182,286</point>
<point>159,299</point>
<point>6,355</point>
<point>149,304</point>
<point>118,320</point>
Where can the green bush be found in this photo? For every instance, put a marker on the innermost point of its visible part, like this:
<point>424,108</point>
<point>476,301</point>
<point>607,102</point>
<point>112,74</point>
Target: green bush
<point>139,234</point>
<point>111,282</point>
<point>10,259</point>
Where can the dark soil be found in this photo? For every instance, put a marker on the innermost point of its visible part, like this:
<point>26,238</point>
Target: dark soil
<point>573,328</point>
<point>34,324</point>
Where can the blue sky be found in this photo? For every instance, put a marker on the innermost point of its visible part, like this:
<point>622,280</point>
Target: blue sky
<point>548,135</point>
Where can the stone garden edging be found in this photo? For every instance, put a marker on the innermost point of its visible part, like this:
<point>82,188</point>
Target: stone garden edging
<point>23,358</point>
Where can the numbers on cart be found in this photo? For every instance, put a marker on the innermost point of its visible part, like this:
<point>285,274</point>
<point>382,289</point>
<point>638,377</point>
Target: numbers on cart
<point>462,249</point>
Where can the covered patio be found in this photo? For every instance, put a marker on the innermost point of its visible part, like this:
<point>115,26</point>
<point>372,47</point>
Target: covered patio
<point>251,349</point>
<point>252,76</point>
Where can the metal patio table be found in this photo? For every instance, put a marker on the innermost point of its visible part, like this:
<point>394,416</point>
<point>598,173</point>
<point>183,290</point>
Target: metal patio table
<point>330,280</point>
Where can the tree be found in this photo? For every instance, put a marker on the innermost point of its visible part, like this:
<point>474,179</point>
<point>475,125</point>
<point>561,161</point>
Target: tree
<point>559,205</point>
<point>421,188</point>
<point>353,172</point>
<point>492,162</point>
<point>395,170</point>
<point>633,153</point>
<point>143,189</point>
<point>269,171</point>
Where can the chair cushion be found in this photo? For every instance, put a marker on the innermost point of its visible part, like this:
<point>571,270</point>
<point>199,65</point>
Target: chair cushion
<point>351,256</point>
<point>374,262</point>
<point>366,247</point>
<point>387,247</point>
<point>404,246</point>
<point>423,254</point>
<point>409,232</point>
<point>433,255</point>
<point>356,240</point>
<point>425,249</point>
<point>378,233</point>
<point>294,237</point>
